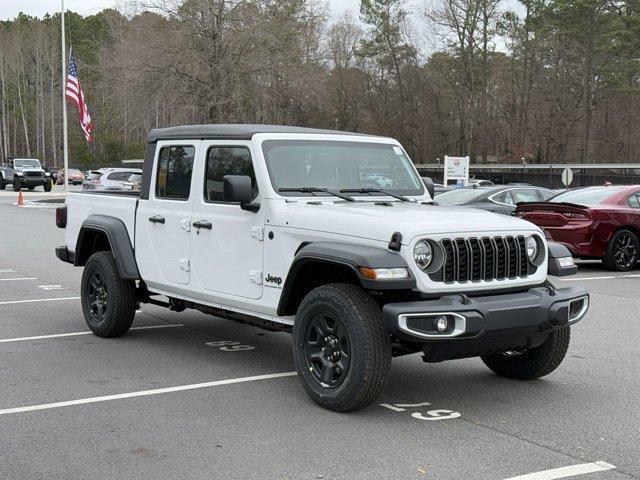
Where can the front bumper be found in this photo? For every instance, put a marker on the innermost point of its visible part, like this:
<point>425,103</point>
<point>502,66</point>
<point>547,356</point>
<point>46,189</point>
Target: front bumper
<point>33,181</point>
<point>486,324</point>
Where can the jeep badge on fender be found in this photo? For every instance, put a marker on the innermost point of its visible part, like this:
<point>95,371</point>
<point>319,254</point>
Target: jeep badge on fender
<point>371,268</point>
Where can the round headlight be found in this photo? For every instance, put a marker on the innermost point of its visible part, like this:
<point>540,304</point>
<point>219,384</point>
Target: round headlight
<point>532,248</point>
<point>423,254</point>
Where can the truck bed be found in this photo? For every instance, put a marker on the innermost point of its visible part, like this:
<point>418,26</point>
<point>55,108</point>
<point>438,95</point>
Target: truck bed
<point>80,205</point>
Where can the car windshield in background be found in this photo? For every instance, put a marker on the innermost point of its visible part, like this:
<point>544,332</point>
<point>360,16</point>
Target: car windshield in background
<point>26,164</point>
<point>459,196</point>
<point>337,165</point>
<point>587,196</point>
<point>74,171</point>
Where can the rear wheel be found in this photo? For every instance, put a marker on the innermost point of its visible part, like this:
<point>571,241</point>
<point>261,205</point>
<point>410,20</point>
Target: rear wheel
<point>622,251</point>
<point>2,184</point>
<point>340,348</point>
<point>108,302</point>
<point>534,363</point>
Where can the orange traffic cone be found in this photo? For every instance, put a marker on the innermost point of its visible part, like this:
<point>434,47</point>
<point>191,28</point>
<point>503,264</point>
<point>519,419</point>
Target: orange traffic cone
<point>20,200</point>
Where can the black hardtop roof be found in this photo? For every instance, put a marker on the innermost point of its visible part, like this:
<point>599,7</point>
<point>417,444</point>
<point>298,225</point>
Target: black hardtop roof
<point>231,131</point>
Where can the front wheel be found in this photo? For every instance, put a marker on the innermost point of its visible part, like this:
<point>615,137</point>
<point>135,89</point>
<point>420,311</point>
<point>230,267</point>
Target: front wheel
<point>622,251</point>
<point>108,302</point>
<point>534,363</point>
<point>16,185</point>
<point>341,350</point>
<point>48,186</point>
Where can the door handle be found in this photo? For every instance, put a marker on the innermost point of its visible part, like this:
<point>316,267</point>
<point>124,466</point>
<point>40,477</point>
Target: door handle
<point>157,219</point>
<point>202,224</point>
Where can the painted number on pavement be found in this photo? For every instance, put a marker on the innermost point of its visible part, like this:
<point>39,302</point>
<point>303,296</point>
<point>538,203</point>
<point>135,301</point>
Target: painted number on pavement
<point>230,346</point>
<point>437,414</point>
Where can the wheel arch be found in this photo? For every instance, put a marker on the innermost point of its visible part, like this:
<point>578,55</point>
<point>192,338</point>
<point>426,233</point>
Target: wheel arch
<point>105,233</point>
<point>321,263</point>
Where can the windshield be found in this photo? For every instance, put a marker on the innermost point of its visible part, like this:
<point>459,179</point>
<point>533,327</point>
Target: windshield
<point>74,171</point>
<point>587,196</point>
<point>459,196</point>
<point>26,163</point>
<point>337,165</point>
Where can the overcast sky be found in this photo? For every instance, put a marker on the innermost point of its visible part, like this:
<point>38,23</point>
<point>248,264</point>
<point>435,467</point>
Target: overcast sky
<point>10,8</point>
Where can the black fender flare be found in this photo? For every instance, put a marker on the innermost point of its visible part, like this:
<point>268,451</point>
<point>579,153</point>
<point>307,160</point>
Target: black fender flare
<point>346,255</point>
<point>556,251</point>
<point>119,241</point>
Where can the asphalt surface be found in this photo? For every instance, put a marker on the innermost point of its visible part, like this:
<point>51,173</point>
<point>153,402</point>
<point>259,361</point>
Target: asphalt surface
<point>476,426</point>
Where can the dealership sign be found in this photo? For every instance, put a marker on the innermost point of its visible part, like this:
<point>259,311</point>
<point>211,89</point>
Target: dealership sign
<point>456,168</point>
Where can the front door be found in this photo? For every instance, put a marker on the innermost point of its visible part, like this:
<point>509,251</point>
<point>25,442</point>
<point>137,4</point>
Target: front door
<point>163,229</point>
<point>227,241</point>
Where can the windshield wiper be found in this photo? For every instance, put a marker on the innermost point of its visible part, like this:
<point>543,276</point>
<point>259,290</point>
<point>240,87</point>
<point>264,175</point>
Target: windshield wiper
<point>313,190</point>
<point>375,190</point>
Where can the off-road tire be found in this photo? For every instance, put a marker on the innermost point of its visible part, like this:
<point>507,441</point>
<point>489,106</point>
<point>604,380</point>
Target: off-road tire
<point>16,185</point>
<point>369,344</point>
<point>609,260</point>
<point>534,363</point>
<point>120,297</point>
<point>48,186</point>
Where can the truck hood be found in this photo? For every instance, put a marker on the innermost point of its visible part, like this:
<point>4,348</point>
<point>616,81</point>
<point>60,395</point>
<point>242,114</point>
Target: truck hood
<point>379,222</point>
<point>28,169</point>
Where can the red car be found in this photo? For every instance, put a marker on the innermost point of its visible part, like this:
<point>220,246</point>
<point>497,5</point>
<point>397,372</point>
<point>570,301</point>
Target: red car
<point>593,222</point>
<point>76,177</point>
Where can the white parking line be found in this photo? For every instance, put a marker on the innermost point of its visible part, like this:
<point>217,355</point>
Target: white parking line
<point>565,472</point>
<point>75,334</point>
<point>145,393</point>
<point>40,300</point>
<point>16,279</point>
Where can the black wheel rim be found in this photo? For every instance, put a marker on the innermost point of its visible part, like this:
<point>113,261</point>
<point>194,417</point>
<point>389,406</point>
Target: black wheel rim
<point>327,350</point>
<point>97,296</point>
<point>625,250</point>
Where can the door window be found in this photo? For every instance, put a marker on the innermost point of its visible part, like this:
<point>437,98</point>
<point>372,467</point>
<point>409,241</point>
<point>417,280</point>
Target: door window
<point>223,161</point>
<point>634,201</point>
<point>504,198</point>
<point>524,195</point>
<point>173,179</point>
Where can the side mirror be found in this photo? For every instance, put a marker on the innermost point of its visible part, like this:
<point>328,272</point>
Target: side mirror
<point>237,189</point>
<point>430,186</point>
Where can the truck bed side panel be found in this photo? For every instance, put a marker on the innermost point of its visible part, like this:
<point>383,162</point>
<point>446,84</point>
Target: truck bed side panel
<point>81,205</point>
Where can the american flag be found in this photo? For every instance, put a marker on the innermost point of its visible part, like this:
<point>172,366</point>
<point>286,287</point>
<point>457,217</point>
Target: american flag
<point>74,93</point>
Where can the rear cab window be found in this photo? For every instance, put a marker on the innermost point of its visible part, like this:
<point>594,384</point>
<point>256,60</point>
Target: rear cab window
<point>174,171</point>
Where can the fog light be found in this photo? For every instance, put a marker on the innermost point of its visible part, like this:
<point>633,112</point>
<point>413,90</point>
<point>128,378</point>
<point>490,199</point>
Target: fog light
<point>442,324</point>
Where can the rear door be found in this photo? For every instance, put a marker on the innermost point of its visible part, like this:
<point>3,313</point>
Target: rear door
<point>163,225</point>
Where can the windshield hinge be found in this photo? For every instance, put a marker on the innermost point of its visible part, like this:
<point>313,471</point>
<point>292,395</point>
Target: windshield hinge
<point>258,233</point>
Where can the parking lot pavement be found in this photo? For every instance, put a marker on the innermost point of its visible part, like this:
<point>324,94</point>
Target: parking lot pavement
<point>172,400</point>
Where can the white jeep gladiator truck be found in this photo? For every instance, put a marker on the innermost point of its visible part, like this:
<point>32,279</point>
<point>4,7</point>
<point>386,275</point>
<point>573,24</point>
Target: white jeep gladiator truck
<point>288,228</point>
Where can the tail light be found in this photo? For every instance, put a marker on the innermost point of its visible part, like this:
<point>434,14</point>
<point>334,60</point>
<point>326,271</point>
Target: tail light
<point>61,217</point>
<point>575,216</point>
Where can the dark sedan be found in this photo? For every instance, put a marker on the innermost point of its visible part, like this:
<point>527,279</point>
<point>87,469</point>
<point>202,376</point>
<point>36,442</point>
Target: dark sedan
<point>593,222</point>
<point>497,198</point>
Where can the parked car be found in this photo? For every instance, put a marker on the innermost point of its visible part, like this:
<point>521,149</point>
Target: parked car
<point>498,198</point>
<point>109,178</point>
<point>134,182</point>
<point>53,173</point>
<point>479,182</point>
<point>24,172</point>
<point>594,223</point>
<point>292,239</point>
<point>76,177</point>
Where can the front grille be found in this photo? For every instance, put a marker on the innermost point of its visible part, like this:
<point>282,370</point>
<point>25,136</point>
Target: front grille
<point>482,259</point>
<point>33,174</point>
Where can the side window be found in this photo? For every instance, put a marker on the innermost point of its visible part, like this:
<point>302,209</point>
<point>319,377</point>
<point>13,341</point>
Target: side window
<point>504,197</point>
<point>544,194</point>
<point>633,201</point>
<point>524,195</point>
<point>173,178</point>
<point>223,161</point>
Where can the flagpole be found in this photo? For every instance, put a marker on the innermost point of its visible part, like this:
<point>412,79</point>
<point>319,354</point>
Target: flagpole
<point>65,140</point>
